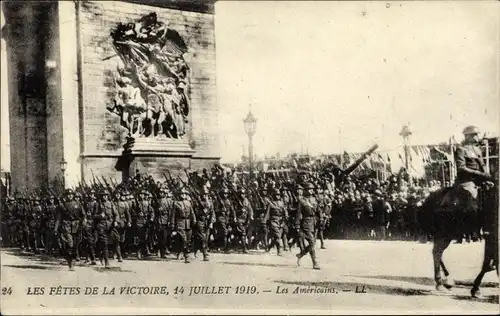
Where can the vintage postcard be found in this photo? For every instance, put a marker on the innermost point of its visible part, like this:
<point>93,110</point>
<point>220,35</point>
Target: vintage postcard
<point>249,157</point>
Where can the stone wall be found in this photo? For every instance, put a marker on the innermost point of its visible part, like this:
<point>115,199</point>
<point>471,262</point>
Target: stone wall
<point>27,104</point>
<point>59,76</point>
<point>102,133</point>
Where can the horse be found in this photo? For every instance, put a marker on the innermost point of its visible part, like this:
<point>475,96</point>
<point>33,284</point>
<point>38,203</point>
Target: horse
<point>445,223</point>
<point>490,227</point>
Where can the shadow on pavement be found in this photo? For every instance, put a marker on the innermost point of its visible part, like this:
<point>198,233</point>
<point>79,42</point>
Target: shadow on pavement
<point>111,269</point>
<point>493,299</point>
<point>272,265</point>
<point>28,266</point>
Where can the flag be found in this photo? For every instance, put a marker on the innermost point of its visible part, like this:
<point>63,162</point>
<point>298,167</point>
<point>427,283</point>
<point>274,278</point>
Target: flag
<point>401,157</point>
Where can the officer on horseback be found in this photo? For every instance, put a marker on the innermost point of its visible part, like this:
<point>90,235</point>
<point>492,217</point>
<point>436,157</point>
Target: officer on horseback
<point>458,202</point>
<point>471,173</point>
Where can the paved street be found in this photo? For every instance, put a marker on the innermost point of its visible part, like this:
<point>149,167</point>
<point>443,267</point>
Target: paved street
<point>396,277</point>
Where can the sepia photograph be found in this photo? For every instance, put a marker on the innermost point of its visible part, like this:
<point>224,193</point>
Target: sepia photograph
<point>249,157</point>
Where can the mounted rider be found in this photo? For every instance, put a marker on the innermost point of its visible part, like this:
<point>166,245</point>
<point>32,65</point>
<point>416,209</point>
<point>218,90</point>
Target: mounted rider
<point>471,174</point>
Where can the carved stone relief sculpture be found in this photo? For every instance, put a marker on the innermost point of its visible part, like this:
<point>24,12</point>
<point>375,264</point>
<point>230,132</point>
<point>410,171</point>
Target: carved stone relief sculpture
<point>151,83</point>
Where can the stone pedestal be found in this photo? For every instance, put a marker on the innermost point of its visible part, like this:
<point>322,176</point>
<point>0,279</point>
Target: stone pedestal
<point>155,156</point>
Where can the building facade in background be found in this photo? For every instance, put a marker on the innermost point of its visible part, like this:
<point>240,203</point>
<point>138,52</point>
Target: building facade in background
<point>109,87</point>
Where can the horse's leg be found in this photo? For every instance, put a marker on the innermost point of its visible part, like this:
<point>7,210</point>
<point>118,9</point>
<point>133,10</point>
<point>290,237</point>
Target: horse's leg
<point>447,282</point>
<point>474,292</point>
<point>440,244</point>
<point>445,271</point>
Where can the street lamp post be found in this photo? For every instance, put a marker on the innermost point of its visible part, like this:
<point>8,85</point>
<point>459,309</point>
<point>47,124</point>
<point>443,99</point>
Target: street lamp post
<point>250,124</point>
<point>406,133</point>
<point>63,165</point>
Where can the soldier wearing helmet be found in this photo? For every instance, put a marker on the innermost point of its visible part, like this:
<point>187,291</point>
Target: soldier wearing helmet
<point>7,212</point>
<point>142,211</point>
<point>88,229</point>
<point>275,214</point>
<point>69,216</point>
<point>242,216</point>
<point>164,207</point>
<point>105,223</point>
<point>222,214</point>
<point>305,221</point>
<point>261,229</point>
<point>471,173</point>
<point>183,219</point>
<point>205,217</point>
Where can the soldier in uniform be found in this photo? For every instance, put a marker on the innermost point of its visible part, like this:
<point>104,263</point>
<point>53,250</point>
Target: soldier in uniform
<point>142,213</point>
<point>275,214</point>
<point>242,216</point>
<point>205,217</point>
<point>222,219</point>
<point>17,232</point>
<point>49,220</point>
<point>380,214</point>
<point>165,204</point>
<point>106,219</point>
<point>7,212</point>
<point>78,237</point>
<point>287,201</point>
<point>183,218</point>
<point>69,215</point>
<point>129,235</point>
<point>23,216</point>
<point>123,222</point>
<point>261,224</point>
<point>35,224</point>
<point>297,238</point>
<point>462,197</point>
<point>88,231</point>
<point>321,216</point>
<point>305,222</point>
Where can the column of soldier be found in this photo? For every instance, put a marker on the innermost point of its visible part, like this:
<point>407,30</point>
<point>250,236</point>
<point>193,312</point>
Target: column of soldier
<point>210,212</point>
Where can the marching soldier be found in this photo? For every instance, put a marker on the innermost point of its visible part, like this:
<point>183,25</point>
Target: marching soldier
<point>69,215</point>
<point>88,231</point>
<point>305,222</point>
<point>23,216</point>
<point>165,204</point>
<point>105,221</point>
<point>293,216</point>
<point>35,225</point>
<point>261,225</point>
<point>205,217</point>
<point>78,238</point>
<point>275,214</point>
<point>129,234</point>
<point>287,202</point>
<point>222,214</point>
<point>242,216</point>
<point>142,214</point>
<point>183,218</point>
<point>7,213</point>
<point>123,222</point>
<point>324,214</point>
